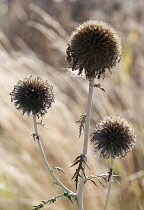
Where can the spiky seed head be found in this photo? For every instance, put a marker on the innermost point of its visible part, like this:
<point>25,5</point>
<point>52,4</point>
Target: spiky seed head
<point>93,47</point>
<point>113,137</point>
<point>32,96</point>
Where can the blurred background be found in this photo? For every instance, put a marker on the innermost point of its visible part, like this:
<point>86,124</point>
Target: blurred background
<point>33,41</point>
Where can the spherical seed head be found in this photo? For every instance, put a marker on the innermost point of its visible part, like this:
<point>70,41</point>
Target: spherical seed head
<point>93,47</point>
<point>113,137</point>
<point>32,96</point>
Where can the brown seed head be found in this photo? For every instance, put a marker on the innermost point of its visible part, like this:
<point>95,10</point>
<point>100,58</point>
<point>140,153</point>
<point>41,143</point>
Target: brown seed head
<point>33,95</point>
<point>113,137</point>
<point>93,47</point>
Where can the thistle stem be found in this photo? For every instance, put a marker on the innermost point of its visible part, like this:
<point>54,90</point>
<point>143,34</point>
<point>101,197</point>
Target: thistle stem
<point>54,199</point>
<point>85,146</point>
<point>110,182</point>
<point>45,159</point>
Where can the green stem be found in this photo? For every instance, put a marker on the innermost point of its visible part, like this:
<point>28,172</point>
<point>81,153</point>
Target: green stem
<point>45,159</point>
<point>85,146</point>
<point>110,182</point>
<point>54,199</point>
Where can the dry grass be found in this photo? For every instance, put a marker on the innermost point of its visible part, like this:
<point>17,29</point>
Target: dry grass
<point>35,45</point>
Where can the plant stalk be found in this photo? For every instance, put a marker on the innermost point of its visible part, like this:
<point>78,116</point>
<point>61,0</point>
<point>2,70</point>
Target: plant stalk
<point>110,182</point>
<point>45,159</point>
<point>85,146</point>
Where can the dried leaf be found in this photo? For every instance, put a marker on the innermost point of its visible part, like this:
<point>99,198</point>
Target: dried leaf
<point>59,169</point>
<point>81,121</point>
<point>98,85</point>
<point>79,161</point>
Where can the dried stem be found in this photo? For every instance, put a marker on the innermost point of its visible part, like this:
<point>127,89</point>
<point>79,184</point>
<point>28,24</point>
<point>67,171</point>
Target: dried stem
<point>110,182</point>
<point>45,159</point>
<point>85,146</point>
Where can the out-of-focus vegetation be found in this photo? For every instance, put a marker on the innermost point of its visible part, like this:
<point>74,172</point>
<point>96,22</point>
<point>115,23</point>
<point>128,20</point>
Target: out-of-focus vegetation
<point>33,40</point>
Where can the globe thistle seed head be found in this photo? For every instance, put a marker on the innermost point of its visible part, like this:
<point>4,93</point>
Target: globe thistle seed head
<point>93,47</point>
<point>32,96</point>
<point>113,137</point>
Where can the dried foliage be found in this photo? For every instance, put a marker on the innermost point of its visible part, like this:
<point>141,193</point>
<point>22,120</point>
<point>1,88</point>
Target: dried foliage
<point>59,169</point>
<point>81,121</point>
<point>80,160</point>
<point>98,85</point>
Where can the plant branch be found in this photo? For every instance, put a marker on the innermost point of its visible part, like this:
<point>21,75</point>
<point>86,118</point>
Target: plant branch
<point>110,182</point>
<point>54,199</point>
<point>45,159</point>
<point>85,146</point>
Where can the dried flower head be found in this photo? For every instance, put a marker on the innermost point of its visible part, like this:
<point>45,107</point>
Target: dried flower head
<point>32,96</point>
<point>113,137</point>
<point>93,47</point>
